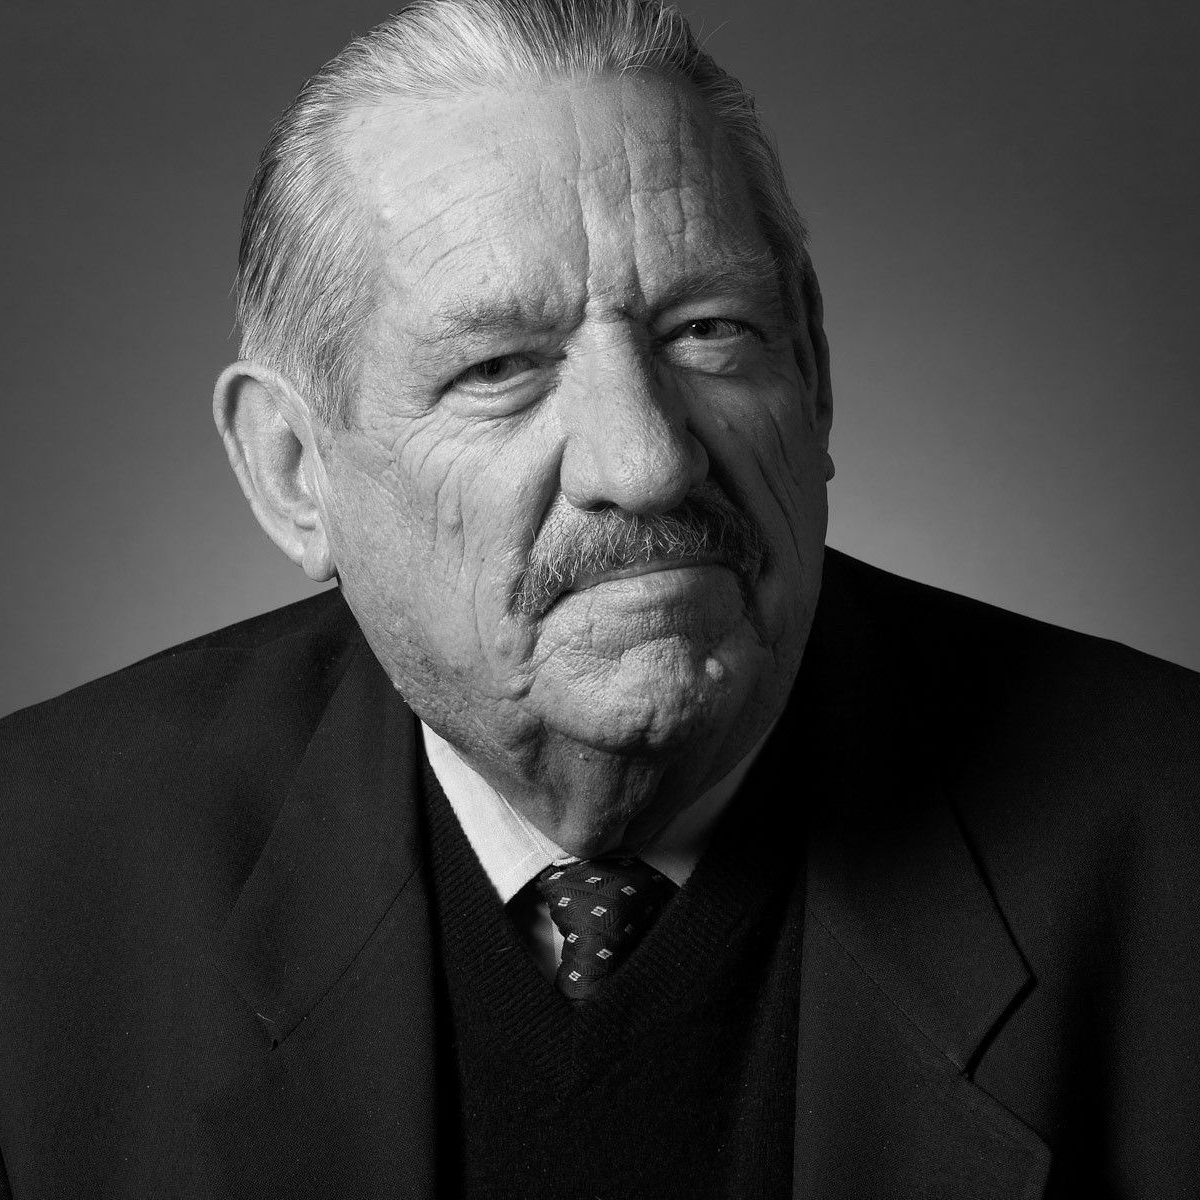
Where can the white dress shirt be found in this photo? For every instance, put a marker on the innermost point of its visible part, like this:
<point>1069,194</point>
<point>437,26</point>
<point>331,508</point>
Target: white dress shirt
<point>512,851</point>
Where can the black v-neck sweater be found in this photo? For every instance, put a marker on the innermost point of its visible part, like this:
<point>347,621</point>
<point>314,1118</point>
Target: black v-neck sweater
<point>677,1081</point>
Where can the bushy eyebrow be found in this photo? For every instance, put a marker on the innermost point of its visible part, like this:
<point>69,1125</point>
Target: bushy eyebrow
<point>753,274</point>
<point>472,317</point>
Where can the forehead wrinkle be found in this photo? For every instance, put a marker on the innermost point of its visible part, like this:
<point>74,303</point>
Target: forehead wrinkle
<point>488,287</point>
<point>406,196</point>
<point>689,196</point>
<point>575,193</point>
<point>510,289</point>
<point>378,135</point>
<point>607,206</point>
<point>397,236</point>
<point>668,148</point>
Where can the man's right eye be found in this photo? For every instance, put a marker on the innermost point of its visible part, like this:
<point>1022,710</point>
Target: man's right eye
<point>493,371</point>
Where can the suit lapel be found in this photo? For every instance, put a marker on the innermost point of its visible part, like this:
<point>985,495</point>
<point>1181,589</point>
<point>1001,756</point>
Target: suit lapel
<point>908,965</point>
<point>329,945</point>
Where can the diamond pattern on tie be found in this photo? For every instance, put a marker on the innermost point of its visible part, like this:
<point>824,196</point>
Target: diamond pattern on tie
<point>602,907</point>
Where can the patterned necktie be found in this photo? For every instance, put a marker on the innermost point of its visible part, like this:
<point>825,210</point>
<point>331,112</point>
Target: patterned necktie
<point>602,907</point>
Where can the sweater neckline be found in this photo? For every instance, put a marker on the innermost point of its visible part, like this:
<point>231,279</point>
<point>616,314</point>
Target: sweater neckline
<point>752,854</point>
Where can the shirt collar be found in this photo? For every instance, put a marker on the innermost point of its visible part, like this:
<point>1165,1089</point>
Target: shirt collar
<point>512,851</point>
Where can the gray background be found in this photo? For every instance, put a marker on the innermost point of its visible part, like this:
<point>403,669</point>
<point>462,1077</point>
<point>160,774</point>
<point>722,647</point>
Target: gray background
<point>1003,200</point>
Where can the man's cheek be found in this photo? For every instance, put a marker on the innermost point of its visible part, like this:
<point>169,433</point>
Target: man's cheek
<point>501,485</point>
<point>419,493</point>
<point>467,575</point>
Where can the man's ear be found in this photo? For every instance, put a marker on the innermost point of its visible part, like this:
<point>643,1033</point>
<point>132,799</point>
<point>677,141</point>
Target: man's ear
<point>271,438</point>
<point>812,354</point>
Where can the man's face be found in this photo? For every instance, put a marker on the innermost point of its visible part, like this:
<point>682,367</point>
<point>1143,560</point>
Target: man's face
<point>579,325</point>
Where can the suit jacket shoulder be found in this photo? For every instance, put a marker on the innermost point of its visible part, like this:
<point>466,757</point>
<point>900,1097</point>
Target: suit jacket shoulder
<point>99,754</point>
<point>1070,770</point>
<point>214,951</point>
<point>996,686</point>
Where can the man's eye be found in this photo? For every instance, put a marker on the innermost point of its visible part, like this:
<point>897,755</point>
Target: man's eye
<point>496,370</point>
<point>711,329</point>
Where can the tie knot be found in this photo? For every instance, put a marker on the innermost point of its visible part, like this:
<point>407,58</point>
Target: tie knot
<point>602,907</point>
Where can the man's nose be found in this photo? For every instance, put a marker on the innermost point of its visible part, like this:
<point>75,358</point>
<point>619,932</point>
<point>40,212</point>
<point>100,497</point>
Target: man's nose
<point>628,444</point>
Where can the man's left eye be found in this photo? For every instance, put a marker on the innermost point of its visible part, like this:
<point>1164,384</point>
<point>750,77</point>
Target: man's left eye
<point>711,329</point>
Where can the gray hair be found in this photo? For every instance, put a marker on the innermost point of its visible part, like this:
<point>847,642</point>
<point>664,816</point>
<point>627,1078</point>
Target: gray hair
<point>306,283</point>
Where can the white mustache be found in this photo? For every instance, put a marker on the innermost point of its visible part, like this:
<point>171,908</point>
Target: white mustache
<point>573,544</point>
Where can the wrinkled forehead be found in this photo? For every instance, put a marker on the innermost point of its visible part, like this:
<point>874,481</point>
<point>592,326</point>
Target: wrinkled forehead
<point>569,178</point>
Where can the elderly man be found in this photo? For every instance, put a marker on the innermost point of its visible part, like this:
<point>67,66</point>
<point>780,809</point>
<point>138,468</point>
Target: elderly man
<point>569,848</point>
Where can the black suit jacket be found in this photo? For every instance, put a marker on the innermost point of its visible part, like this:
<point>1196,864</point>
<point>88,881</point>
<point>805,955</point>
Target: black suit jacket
<point>216,976</point>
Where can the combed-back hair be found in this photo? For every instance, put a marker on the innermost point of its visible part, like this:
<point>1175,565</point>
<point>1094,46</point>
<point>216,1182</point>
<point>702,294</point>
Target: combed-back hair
<point>306,268</point>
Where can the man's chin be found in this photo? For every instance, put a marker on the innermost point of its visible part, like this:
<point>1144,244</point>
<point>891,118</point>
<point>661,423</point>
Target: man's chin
<point>658,697</point>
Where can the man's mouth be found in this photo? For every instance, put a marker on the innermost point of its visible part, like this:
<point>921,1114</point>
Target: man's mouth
<point>590,579</point>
